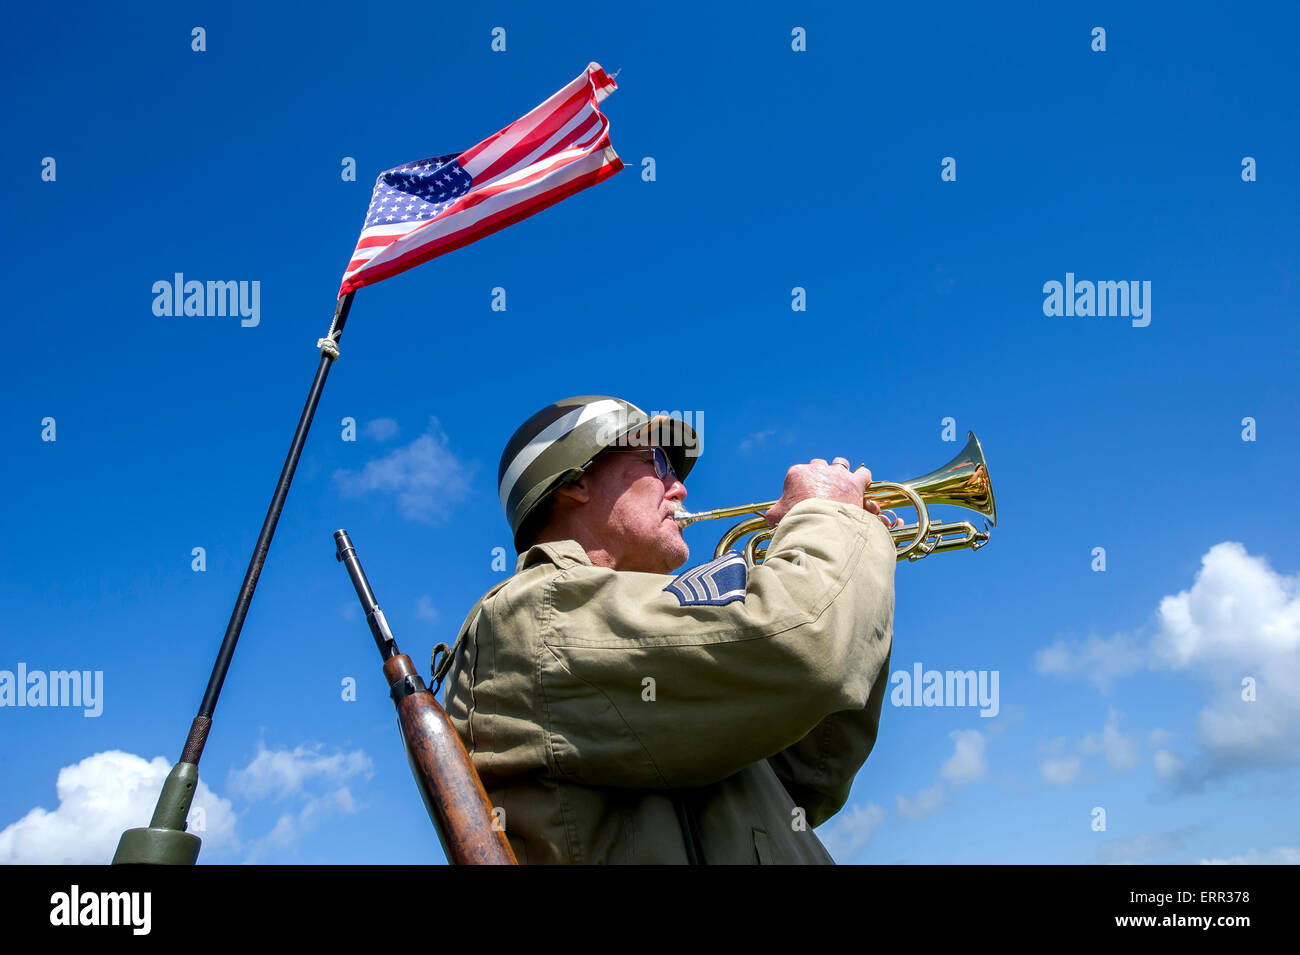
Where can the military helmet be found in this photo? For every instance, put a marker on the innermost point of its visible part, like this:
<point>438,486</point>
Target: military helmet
<point>553,446</point>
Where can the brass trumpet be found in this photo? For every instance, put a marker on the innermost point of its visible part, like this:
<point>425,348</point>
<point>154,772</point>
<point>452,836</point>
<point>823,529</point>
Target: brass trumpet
<point>962,482</point>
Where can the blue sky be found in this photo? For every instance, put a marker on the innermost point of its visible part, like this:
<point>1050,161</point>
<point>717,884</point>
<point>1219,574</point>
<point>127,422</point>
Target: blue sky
<point>774,169</point>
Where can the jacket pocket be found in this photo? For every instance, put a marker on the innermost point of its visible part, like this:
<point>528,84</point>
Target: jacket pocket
<point>763,848</point>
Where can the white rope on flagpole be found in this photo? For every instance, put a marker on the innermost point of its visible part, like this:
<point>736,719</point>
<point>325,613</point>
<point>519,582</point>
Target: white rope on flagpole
<point>329,347</point>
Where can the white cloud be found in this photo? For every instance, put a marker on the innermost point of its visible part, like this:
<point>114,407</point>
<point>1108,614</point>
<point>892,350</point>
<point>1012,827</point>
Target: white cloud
<point>760,439</point>
<point>291,827</point>
<point>99,798</point>
<point>1158,737</point>
<point>850,832</point>
<point>426,478</point>
<point>1056,747</point>
<point>278,773</point>
<point>1238,625</point>
<point>1238,611</point>
<point>107,793</point>
<point>755,441</point>
<point>299,775</point>
<point>380,429</point>
<point>1121,752</point>
<point>1141,847</point>
<point>925,803</point>
<point>424,608</point>
<point>1280,856</point>
<point>967,763</point>
<point>1102,661</point>
<point>1166,764</point>
<point>1240,619</point>
<point>1061,772</point>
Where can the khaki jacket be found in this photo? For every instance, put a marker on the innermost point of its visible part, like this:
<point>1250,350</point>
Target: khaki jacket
<point>614,724</point>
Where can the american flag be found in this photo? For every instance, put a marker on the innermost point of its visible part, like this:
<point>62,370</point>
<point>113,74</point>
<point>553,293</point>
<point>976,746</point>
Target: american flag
<point>432,206</point>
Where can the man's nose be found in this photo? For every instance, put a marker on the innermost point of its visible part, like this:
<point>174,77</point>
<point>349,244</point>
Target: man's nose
<point>676,489</point>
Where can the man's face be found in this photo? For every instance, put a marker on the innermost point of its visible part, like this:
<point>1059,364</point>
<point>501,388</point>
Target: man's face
<point>632,510</point>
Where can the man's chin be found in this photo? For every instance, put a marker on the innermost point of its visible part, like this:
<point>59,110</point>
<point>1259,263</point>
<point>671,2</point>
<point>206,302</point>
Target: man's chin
<point>677,555</point>
<point>662,553</point>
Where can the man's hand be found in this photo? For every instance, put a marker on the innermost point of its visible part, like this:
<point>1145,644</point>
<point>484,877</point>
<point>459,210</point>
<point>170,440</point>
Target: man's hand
<point>829,482</point>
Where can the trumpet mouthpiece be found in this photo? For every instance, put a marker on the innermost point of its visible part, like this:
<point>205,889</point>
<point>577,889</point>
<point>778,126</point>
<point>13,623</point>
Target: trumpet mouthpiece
<point>683,516</point>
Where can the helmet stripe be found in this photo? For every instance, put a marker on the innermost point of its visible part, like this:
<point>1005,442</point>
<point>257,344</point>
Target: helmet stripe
<point>552,433</point>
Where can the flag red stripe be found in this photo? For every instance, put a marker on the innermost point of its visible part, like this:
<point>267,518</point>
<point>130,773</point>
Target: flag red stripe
<point>558,148</point>
<point>576,136</point>
<point>473,198</point>
<point>487,226</point>
<point>538,135</point>
<point>385,241</point>
<point>581,85</point>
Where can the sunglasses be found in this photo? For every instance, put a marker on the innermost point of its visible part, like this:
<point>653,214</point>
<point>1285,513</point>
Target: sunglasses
<point>662,466</point>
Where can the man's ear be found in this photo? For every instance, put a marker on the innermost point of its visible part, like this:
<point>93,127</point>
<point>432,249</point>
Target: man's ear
<point>575,492</point>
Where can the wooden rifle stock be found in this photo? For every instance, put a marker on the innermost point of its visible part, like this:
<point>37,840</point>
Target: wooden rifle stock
<point>453,793</point>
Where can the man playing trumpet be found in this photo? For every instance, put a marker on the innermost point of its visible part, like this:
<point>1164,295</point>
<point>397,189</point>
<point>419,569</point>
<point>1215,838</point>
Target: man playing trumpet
<point>619,714</point>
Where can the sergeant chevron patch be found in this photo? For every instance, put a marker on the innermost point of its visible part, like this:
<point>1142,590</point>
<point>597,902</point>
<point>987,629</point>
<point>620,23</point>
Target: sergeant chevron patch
<point>716,583</point>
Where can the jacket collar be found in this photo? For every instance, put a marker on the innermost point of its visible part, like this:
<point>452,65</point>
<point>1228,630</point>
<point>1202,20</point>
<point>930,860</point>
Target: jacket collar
<point>562,554</point>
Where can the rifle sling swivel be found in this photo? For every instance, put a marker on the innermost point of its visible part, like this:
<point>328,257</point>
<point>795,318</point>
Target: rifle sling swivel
<point>406,686</point>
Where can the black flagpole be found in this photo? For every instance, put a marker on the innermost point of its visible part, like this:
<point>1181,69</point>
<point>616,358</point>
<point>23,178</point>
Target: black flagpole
<point>165,841</point>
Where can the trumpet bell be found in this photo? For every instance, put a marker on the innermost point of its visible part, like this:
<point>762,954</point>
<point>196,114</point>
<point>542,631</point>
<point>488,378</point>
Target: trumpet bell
<point>962,482</point>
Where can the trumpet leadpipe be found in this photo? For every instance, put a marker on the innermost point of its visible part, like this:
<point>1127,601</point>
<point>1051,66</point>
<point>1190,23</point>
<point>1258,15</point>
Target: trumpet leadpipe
<point>962,482</point>
<point>686,518</point>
